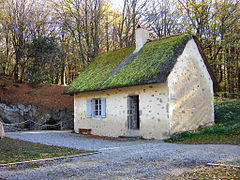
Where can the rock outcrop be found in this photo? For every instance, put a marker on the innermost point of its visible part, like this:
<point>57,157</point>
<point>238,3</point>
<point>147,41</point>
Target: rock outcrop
<point>35,118</point>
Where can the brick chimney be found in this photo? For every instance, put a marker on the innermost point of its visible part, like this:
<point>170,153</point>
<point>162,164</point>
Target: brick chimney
<point>142,35</point>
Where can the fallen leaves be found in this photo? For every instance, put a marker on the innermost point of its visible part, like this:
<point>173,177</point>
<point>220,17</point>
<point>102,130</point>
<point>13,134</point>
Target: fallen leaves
<point>47,96</point>
<point>213,172</point>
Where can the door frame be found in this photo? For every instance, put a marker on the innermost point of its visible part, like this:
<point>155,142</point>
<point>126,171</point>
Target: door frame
<point>133,118</point>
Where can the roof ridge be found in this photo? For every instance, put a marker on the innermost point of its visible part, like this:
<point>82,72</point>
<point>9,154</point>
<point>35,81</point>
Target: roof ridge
<point>152,64</point>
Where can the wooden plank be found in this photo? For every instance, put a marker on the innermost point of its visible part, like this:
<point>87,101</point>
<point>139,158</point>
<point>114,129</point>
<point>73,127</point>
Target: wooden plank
<point>81,131</point>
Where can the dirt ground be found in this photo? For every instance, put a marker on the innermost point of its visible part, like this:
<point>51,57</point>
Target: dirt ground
<point>45,95</point>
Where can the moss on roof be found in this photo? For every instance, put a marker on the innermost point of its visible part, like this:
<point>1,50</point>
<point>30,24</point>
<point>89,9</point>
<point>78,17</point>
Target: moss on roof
<point>152,64</point>
<point>92,77</point>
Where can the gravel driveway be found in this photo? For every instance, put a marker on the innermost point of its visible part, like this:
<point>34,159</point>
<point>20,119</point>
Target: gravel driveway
<point>140,159</point>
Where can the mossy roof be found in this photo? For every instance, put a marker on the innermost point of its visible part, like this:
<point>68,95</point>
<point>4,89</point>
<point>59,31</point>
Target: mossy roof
<point>122,68</point>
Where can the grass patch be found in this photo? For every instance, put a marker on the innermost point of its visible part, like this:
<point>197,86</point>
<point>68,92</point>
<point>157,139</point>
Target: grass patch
<point>225,131</point>
<point>12,150</point>
<point>214,172</point>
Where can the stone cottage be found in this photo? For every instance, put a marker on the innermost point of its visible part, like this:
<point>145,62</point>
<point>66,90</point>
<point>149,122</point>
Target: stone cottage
<point>154,89</point>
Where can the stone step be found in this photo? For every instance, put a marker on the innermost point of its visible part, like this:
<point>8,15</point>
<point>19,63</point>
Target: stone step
<point>127,138</point>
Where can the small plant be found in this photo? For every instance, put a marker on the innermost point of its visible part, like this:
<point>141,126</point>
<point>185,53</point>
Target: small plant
<point>16,85</point>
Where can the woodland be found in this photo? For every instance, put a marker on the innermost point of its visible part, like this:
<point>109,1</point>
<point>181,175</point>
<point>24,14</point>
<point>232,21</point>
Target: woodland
<point>53,41</point>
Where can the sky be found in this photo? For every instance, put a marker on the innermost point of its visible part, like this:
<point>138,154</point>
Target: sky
<point>117,4</point>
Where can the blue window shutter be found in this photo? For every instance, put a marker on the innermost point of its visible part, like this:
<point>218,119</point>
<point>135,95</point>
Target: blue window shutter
<point>103,106</point>
<point>89,108</point>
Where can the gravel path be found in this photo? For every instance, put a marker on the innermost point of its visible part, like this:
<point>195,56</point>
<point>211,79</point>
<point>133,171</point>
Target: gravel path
<point>118,159</point>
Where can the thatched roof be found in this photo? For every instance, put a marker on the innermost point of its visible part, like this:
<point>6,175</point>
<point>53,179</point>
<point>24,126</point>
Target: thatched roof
<point>122,68</point>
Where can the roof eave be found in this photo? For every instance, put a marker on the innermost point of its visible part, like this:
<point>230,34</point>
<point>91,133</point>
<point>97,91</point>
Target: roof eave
<point>115,87</point>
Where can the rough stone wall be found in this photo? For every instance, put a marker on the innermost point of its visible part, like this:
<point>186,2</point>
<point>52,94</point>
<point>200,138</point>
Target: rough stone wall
<point>190,92</point>
<point>153,108</point>
<point>20,113</point>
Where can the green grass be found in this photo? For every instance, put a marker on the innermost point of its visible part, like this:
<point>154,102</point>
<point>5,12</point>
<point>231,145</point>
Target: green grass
<point>225,131</point>
<point>12,150</point>
<point>226,110</point>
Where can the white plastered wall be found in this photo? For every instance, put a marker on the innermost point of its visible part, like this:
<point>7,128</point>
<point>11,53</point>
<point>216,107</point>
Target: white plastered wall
<point>153,107</point>
<point>190,92</point>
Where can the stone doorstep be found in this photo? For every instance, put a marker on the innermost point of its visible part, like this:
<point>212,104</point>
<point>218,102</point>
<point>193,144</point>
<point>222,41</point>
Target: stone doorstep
<point>224,165</point>
<point>48,159</point>
<point>127,138</point>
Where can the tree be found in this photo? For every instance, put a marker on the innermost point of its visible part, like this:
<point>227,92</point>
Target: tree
<point>16,16</point>
<point>3,62</point>
<point>82,29</point>
<point>82,18</point>
<point>162,17</point>
<point>46,60</point>
<point>22,20</point>
<point>126,22</point>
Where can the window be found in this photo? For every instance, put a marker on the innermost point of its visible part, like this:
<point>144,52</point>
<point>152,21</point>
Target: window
<point>96,107</point>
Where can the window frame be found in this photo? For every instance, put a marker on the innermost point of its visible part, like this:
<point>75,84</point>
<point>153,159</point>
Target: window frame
<point>96,108</point>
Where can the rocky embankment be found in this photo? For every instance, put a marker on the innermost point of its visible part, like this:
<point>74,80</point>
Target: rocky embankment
<point>31,117</point>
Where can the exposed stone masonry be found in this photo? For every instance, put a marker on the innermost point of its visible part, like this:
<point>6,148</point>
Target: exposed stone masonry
<point>20,113</point>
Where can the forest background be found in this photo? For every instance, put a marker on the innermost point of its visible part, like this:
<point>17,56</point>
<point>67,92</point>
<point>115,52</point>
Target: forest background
<point>53,41</point>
